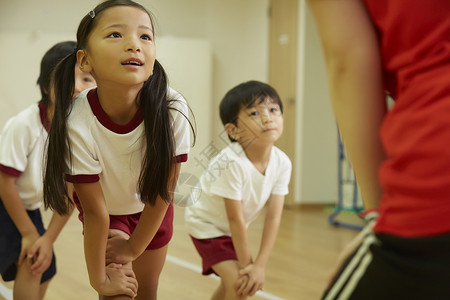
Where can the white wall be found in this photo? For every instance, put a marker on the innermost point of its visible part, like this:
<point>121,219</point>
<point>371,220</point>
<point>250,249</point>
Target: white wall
<point>20,68</point>
<point>317,143</point>
<point>239,34</point>
<point>193,80</point>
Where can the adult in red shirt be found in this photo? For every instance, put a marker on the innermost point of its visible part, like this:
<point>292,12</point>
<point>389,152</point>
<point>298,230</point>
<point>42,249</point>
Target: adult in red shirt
<point>401,156</point>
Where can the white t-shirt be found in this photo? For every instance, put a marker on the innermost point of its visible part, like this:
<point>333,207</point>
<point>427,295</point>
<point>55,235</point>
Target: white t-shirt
<point>232,175</point>
<point>111,153</point>
<point>22,145</point>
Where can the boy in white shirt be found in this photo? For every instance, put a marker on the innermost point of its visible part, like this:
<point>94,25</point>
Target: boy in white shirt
<point>236,186</point>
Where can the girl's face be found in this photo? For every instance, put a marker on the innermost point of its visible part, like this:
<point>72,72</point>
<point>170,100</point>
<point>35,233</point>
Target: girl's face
<point>83,81</point>
<point>120,48</point>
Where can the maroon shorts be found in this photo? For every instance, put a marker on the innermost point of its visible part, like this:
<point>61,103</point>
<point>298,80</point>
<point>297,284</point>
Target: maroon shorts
<point>127,224</point>
<point>213,251</point>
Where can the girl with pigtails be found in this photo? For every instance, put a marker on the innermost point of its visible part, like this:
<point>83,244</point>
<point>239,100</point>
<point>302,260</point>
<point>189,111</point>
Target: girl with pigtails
<point>121,145</point>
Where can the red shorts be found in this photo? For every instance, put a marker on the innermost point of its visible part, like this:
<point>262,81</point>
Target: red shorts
<point>127,224</point>
<point>213,251</point>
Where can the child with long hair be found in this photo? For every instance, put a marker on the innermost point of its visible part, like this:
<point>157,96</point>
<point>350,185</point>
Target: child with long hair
<point>244,178</point>
<point>121,146</point>
<point>26,254</point>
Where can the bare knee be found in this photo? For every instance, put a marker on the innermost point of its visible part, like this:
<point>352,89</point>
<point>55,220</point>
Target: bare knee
<point>28,286</point>
<point>118,297</point>
<point>229,274</point>
<point>147,289</point>
<point>230,291</point>
<point>147,268</point>
<point>43,289</point>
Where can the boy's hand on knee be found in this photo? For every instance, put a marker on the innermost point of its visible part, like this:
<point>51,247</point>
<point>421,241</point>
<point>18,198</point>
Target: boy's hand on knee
<point>255,282</point>
<point>241,283</point>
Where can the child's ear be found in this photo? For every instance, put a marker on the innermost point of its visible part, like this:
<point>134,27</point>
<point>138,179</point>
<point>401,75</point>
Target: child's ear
<point>83,62</point>
<point>232,131</point>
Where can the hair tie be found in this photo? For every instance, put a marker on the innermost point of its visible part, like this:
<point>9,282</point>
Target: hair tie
<point>92,14</point>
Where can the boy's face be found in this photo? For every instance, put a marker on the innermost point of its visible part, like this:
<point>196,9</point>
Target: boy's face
<point>261,123</point>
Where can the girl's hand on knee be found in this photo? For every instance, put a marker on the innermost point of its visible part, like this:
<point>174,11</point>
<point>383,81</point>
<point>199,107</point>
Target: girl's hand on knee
<point>118,249</point>
<point>119,281</point>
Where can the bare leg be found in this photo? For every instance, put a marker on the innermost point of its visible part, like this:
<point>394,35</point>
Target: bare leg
<point>228,271</point>
<point>219,293</point>
<point>119,297</point>
<point>26,286</point>
<point>148,267</point>
<point>43,289</point>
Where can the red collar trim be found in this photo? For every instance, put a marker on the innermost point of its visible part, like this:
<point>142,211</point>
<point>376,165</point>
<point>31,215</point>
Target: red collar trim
<point>104,119</point>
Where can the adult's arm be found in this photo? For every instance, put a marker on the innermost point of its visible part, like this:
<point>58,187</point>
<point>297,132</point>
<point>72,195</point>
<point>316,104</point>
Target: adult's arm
<point>353,62</point>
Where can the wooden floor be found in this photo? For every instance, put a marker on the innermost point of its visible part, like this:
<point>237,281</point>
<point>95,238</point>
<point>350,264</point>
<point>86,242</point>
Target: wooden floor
<point>299,267</point>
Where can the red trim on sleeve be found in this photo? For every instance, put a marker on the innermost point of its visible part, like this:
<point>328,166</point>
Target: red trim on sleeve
<point>181,158</point>
<point>82,178</point>
<point>10,171</point>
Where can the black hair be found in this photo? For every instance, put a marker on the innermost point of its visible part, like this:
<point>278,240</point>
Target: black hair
<point>154,103</point>
<point>48,63</point>
<point>245,95</point>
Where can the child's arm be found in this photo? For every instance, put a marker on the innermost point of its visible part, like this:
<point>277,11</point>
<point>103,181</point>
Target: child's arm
<point>149,223</point>
<point>255,271</point>
<point>271,225</point>
<point>353,62</point>
<point>41,252</point>
<point>106,281</point>
<point>239,237</point>
<point>124,251</point>
<point>17,212</point>
<point>238,231</point>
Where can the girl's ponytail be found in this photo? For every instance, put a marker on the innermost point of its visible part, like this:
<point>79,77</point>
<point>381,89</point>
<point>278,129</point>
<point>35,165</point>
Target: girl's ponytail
<point>160,145</point>
<point>55,191</point>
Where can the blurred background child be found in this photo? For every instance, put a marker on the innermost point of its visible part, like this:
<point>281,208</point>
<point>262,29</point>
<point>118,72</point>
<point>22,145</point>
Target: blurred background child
<point>26,254</point>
